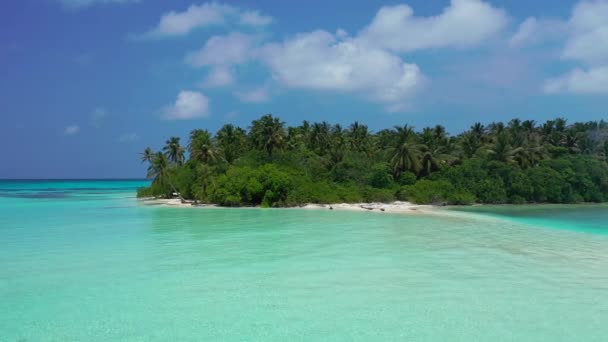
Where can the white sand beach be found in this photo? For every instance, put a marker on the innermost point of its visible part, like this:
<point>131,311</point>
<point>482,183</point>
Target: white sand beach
<point>394,207</point>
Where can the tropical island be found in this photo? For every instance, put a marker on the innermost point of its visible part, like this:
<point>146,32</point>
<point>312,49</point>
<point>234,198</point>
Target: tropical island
<point>272,165</point>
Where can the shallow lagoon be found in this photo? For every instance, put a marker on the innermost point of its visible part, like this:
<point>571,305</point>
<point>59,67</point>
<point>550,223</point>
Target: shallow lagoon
<point>92,264</point>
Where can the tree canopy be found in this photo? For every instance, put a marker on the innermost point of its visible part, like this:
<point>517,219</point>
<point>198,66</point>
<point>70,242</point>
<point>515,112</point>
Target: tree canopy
<point>271,164</point>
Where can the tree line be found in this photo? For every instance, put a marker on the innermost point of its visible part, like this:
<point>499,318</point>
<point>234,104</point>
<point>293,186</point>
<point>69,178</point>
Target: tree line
<point>273,165</point>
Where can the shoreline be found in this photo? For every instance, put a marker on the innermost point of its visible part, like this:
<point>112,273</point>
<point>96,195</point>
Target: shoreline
<point>393,207</point>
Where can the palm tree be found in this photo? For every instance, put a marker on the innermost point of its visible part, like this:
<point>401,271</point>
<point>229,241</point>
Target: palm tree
<point>295,138</point>
<point>232,141</point>
<point>204,174</point>
<point>320,137</point>
<point>470,144</point>
<point>159,171</point>
<point>439,133</point>
<point>200,147</point>
<point>173,151</point>
<point>147,155</point>
<point>305,130</point>
<point>560,124</point>
<point>158,168</point>
<point>502,150</point>
<point>429,163</point>
<point>515,124</point>
<point>435,158</point>
<point>268,133</point>
<point>570,140</point>
<point>496,128</point>
<point>359,137</point>
<point>529,126</point>
<point>337,145</point>
<point>405,155</point>
<point>478,131</point>
<point>384,139</point>
<point>427,137</point>
<point>530,153</point>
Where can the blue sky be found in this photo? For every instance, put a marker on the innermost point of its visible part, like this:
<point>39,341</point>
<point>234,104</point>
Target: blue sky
<point>87,84</point>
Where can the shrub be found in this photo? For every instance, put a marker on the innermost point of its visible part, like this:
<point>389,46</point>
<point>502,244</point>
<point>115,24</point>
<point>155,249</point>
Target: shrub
<point>427,192</point>
<point>407,178</point>
<point>461,198</point>
<point>516,199</point>
<point>378,195</point>
<point>380,176</point>
<point>266,185</point>
<point>491,191</point>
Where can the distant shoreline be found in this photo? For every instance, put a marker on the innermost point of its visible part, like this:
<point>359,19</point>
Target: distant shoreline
<point>397,207</point>
<point>393,207</point>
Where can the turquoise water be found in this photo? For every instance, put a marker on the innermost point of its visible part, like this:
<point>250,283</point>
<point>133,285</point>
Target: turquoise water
<point>591,218</point>
<point>84,261</point>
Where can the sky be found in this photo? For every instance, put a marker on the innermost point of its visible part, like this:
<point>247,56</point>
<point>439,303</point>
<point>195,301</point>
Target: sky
<point>86,85</point>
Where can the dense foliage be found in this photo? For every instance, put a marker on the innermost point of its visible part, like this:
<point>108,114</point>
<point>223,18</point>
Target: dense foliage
<point>273,165</point>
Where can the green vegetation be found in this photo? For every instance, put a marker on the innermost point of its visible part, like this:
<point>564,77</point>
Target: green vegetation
<point>274,166</point>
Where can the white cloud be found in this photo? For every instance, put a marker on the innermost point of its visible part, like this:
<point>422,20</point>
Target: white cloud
<point>525,32</point>
<point>590,47</point>
<point>77,4</point>
<point>128,137</point>
<point>218,76</point>
<point>587,43</point>
<point>189,105</point>
<point>533,30</point>
<point>181,23</point>
<point>71,130</point>
<point>234,48</point>
<point>255,18</point>
<point>221,52</point>
<point>579,81</point>
<point>367,65</point>
<point>319,61</point>
<point>341,33</point>
<point>589,38</point>
<point>176,23</point>
<point>257,95</point>
<point>464,23</point>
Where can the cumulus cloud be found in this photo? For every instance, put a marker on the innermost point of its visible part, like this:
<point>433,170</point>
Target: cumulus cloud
<point>463,23</point>
<point>589,37</point>
<point>255,18</point>
<point>221,53</point>
<point>71,130</point>
<point>367,64</point>
<point>77,4</point>
<point>181,23</point>
<point>177,23</point>
<point>318,60</point>
<point>257,95</point>
<point>534,30</point>
<point>189,105</point>
<point>580,81</point>
<point>219,76</point>
<point>234,48</point>
<point>586,43</point>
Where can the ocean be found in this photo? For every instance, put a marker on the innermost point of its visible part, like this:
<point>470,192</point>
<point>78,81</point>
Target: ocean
<point>85,261</point>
